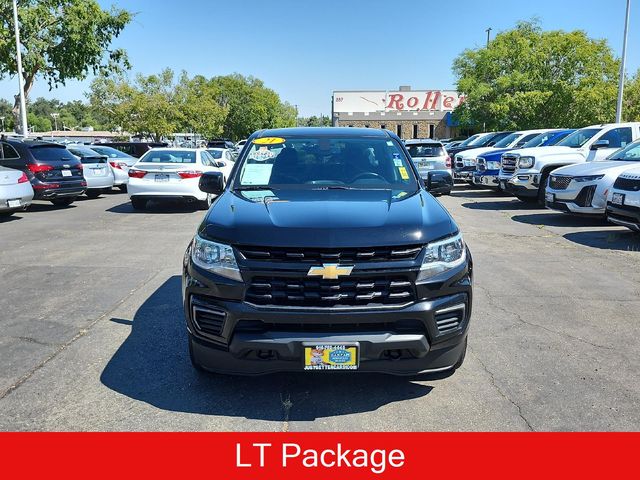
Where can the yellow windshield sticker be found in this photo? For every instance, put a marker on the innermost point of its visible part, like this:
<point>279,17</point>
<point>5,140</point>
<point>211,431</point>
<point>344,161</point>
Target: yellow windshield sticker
<point>403,173</point>
<point>269,141</point>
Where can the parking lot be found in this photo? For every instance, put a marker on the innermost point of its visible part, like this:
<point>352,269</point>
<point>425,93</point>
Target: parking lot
<point>92,332</point>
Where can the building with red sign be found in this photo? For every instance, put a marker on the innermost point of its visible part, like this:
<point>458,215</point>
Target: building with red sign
<point>409,113</point>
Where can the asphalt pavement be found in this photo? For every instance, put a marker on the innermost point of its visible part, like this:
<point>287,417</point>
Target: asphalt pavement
<point>92,332</point>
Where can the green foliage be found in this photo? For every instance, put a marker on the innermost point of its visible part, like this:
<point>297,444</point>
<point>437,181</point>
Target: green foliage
<point>631,106</point>
<point>5,111</point>
<point>314,121</point>
<point>232,106</point>
<point>529,78</point>
<point>61,40</point>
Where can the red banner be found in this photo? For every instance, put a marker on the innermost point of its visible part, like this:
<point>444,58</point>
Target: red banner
<point>351,456</point>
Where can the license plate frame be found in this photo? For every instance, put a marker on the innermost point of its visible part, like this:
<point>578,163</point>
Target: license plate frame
<point>334,356</point>
<point>618,199</point>
<point>161,178</point>
<point>14,203</point>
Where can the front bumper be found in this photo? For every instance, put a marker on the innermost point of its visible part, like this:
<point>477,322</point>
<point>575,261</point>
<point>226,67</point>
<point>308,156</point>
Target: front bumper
<point>624,215</point>
<point>465,173</point>
<point>523,184</point>
<point>486,180</point>
<point>401,340</point>
<point>584,199</point>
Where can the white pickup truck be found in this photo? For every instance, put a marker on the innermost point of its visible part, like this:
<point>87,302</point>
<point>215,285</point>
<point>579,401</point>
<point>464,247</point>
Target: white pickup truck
<point>524,173</point>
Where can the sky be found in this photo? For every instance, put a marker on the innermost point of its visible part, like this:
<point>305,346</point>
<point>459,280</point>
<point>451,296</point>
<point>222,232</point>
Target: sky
<point>305,50</point>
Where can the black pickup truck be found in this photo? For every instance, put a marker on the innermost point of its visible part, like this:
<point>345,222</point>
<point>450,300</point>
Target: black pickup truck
<point>325,252</point>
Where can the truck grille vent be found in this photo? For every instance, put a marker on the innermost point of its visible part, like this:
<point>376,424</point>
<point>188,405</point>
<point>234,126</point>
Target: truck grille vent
<point>401,326</point>
<point>509,163</point>
<point>585,197</point>
<point>330,293</point>
<point>559,183</point>
<point>373,254</point>
<point>449,319</point>
<point>208,319</point>
<point>627,184</point>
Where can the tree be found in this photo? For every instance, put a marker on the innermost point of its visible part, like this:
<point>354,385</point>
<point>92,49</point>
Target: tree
<point>631,106</point>
<point>147,106</point>
<point>199,103</point>
<point>528,78</point>
<point>313,121</point>
<point>6,114</point>
<point>61,40</point>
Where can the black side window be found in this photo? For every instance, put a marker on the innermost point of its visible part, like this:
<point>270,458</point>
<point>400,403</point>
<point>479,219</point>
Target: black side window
<point>618,137</point>
<point>7,152</point>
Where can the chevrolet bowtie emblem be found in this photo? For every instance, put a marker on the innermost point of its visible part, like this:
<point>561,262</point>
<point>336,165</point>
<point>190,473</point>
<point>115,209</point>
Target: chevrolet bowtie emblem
<point>330,271</point>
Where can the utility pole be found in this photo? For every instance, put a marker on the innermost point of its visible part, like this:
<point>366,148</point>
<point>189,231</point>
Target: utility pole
<point>2,120</point>
<point>23,107</point>
<point>55,119</point>
<point>488,30</point>
<point>297,125</point>
<point>623,65</point>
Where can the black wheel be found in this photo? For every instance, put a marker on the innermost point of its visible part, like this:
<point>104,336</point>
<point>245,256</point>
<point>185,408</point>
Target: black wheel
<point>192,357</point>
<point>462,356</point>
<point>63,202</point>
<point>122,188</point>
<point>205,204</point>
<point>93,193</point>
<point>542,188</point>
<point>138,203</point>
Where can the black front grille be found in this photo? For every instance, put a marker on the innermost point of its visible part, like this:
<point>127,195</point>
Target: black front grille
<point>320,255</point>
<point>509,163</point>
<point>354,291</point>
<point>401,326</point>
<point>207,319</point>
<point>559,183</point>
<point>628,184</point>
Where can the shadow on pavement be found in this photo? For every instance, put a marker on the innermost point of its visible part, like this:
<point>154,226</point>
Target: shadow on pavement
<point>501,205</point>
<point>157,206</point>
<point>47,207</point>
<point>153,366</point>
<point>560,220</point>
<point>6,218</point>
<point>620,240</point>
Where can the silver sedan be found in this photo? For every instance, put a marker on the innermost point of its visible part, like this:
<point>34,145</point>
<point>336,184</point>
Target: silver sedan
<point>16,192</point>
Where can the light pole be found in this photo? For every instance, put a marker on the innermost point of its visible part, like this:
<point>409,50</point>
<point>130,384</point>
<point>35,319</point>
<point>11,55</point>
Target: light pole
<point>55,120</point>
<point>2,120</point>
<point>623,66</point>
<point>488,30</point>
<point>23,107</point>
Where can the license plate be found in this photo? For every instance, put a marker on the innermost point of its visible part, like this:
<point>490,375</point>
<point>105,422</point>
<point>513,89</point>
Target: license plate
<point>550,197</point>
<point>98,171</point>
<point>160,177</point>
<point>503,184</point>
<point>66,173</point>
<point>618,199</point>
<point>14,203</point>
<point>331,357</point>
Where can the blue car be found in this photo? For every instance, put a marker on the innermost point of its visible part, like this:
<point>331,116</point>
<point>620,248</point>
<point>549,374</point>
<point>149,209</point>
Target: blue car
<point>488,165</point>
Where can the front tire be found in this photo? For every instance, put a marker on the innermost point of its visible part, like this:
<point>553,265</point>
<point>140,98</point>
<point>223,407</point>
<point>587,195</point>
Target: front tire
<point>63,202</point>
<point>527,199</point>
<point>122,188</point>
<point>542,188</point>
<point>139,203</point>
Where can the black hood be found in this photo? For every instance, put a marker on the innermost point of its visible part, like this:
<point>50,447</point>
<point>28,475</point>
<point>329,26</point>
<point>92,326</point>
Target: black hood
<point>326,218</point>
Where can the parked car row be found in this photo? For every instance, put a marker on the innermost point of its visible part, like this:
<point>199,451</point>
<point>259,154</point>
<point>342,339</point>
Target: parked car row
<point>590,171</point>
<point>41,170</point>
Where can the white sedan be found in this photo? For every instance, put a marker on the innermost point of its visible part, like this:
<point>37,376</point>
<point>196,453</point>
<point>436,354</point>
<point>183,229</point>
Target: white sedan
<point>16,192</point>
<point>170,173</point>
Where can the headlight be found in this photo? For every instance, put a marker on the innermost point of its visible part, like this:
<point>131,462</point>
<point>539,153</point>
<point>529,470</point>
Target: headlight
<point>491,165</point>
<point>215,257</point>
<point>588,178</point>
<point>526,162</point>
<point>442,256</point>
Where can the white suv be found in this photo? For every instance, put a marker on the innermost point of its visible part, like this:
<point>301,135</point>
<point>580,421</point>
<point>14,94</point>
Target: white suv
<point>623,200</point>
<point>525,173</point>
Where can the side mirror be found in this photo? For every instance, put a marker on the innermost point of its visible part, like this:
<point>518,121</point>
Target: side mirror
<point>600,144</point>
<point>212,182</point>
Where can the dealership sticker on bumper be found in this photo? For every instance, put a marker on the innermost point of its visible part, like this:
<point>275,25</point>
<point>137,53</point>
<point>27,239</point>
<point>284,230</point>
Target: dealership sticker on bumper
<point>618,199</point>
<point>331,357</point>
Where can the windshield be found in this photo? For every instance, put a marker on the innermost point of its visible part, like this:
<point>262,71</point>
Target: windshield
<point>84,153</point>
<point>427,150</point>
<point>215,153</point>
<point>578,138</point>
<point>49,154</point>
<point>475,140</point>
<point>169,156</point>
<point>363,163</point>
<point>507,141</point>
<point>110,152</point>
<point>631,153</point>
